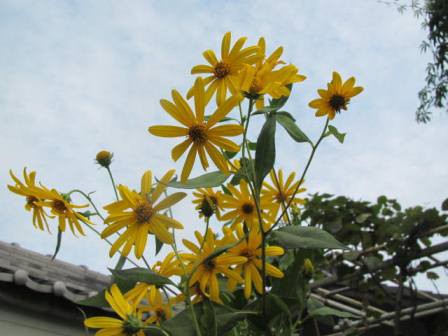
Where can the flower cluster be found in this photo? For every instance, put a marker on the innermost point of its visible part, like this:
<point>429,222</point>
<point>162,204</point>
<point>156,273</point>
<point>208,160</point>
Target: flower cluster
<point>254,198</point>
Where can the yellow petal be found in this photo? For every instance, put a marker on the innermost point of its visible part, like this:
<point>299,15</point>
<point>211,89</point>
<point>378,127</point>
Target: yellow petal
<point>180,149</point>
<point>173,111</point>
<point>170,200</point>
<point>146,183</point>
<point>223,110</point>
<point>225,45</point>
<point>161,186</point>
<point>103,322</point>
<point>189,162</point>
<point>168,131</point>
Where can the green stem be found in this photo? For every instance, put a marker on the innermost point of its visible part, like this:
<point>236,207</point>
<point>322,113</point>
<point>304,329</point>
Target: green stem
<point>207,223</point>
<point>186,289</point>
<point>113,182</point>
<point>313,151</point>
<point>107,240</point>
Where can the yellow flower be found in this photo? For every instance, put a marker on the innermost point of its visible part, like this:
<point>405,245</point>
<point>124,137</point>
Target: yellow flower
<point>202,136</point>
<point>208,202</point>
<point>159,308</point>
<point>222,75</point>
<point>168,267</point>
<point>129,323</point>
<point>60,205</point>
<point>263,78</point>
<point>243,207</point>
<point>204,270</point>
<point>278,194</point>
<point>336,97</point>
<point>251,249</point>
<point>140,214</point>
<point>27,189</point>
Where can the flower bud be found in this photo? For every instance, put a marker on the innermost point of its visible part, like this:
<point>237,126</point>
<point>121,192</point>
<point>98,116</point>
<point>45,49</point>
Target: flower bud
<point>104,158</point>
<point>308,267</point>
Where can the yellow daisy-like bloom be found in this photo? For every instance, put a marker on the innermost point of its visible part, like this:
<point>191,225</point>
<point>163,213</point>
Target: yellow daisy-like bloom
<point>60,205</point>
<point>204,271</point>
<point>336,97</point>
<point>278,194</point>
<point>263,78</point>
<point>160,309</point>
<point>130,322</point>
<point>140,213</point>
<point>222,75</point>
<point>168,267</point>
<point>202,136</point>
<point>251,249</point>
<point>208,202</point>
<point>27,189</point>
<point>243,207</point>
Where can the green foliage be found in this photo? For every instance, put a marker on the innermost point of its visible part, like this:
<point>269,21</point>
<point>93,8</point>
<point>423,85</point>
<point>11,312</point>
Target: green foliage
<point>383,228</point>
<point>288,123</point>
<point>265,152</point>
<point>306,237</point>
<point>334,131</point>
<point>208,180</point>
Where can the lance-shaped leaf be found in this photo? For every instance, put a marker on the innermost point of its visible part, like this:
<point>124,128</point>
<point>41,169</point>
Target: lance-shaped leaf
<point>291,237</point>
<point>334,131</point>
<point>159,244</point>
<point>265,152</point>
<point>129,277</point>
<point>291,127</point>
<point>208,180</point>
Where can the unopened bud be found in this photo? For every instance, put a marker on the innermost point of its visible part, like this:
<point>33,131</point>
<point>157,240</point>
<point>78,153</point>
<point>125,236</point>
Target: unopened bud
<point>104,158</point>
<point>308,267</point>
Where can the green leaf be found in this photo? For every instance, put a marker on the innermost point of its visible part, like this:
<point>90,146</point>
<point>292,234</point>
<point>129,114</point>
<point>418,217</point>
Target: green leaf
<point>327,311</point>
<point>293,130</point>
<point>153,330</point>
<point>334,131</point>
<point>120,263</point>
<point>159,245</point>
<point>129,277</point>
<point>97,300</point>
<point>207,319</point>
<point>265,153</point>
<point>208,180</point>
<point>58,244</point>
<point>306,237</point>
<point>362,218</point>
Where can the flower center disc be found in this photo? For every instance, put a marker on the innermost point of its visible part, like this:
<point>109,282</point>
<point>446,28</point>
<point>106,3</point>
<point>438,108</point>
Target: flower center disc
<point>143,212</point>
<point>198,134</point>
<point>338,102</point>
<point>208,206</point>
<point>280,197</point>
<point>59,206</point>
<point>30,200</point>
<point>221,70</point>
<point>209,265</point>
<point>247,208</point>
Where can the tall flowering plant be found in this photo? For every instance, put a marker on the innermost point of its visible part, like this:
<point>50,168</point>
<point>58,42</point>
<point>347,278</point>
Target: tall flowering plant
<point>232,280</point>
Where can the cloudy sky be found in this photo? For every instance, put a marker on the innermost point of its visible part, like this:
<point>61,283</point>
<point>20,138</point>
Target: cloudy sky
<point>78,77</point>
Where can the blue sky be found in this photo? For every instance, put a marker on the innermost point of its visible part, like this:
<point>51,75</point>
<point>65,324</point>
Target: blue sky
<point>78,77</point>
